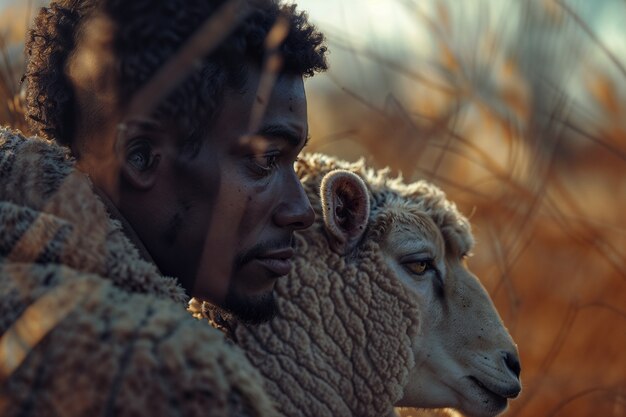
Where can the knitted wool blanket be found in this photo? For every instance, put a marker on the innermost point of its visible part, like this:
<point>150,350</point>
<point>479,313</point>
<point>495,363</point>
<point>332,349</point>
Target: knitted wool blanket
<point>87,326</point>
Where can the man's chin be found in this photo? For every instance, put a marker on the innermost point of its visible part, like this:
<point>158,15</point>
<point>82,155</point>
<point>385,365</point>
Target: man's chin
<point>254,309</point>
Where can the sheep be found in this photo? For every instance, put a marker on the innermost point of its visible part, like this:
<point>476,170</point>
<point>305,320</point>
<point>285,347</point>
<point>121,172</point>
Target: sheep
<point>379,309</point>
<point>88,327</point>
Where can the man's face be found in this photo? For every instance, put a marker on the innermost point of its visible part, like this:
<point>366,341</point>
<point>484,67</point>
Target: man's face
<point>259,202</point>
<point>221,220</point>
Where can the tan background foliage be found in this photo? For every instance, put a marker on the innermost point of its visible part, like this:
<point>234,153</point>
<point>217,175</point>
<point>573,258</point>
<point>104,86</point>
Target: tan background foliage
<point>518,111</point>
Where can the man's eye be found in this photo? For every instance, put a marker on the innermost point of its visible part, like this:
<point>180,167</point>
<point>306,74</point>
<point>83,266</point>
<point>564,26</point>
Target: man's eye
<point>140,158</point>
<point>266,163</point>
<point>418,267</point>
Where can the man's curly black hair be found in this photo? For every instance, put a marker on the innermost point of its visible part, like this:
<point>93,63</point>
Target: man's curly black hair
<point>146,34</point>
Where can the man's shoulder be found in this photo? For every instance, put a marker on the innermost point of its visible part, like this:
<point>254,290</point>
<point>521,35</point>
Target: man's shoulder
<point>31,165</point>
<point>10,137</point>
<point>15,142</point>
<point>143,352</point>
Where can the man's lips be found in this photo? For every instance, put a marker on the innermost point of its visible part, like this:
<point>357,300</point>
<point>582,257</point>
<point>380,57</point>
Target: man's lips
<point>277,261</point>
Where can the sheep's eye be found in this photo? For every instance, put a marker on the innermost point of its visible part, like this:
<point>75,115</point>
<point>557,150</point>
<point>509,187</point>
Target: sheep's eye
<point>418,267</point>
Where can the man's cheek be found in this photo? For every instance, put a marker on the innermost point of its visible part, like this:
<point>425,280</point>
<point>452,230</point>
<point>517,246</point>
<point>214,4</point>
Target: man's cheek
<point>220,248</point>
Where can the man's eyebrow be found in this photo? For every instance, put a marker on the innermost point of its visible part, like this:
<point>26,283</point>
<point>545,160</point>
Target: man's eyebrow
<point>292,136</point>
<point>142,124</point>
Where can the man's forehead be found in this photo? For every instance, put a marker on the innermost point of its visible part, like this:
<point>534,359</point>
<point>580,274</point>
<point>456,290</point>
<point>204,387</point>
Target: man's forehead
<point>268,112</point>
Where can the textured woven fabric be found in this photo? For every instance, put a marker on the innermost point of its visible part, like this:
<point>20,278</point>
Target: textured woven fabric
<point>87,326</point>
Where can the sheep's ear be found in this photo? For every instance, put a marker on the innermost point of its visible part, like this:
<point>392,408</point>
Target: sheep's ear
<point>346,209</point>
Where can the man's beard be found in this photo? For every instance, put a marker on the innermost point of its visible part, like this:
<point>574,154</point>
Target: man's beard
<point>251,309</point>
<point>254,309</point>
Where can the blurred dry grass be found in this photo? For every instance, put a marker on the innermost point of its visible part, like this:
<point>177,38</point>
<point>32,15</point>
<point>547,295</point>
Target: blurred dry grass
<point>526,131</point>
<point>14,19</point>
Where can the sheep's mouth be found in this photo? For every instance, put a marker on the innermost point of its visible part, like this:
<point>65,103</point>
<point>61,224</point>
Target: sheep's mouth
<point>484,388</point>
<point>487,400</point>
<point>495,390</point>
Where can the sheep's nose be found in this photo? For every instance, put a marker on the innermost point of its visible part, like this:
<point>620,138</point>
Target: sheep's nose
<point>512,362</point>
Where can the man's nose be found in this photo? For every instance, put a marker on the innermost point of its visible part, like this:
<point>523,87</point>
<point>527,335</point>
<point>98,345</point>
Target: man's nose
<point>294,210</point>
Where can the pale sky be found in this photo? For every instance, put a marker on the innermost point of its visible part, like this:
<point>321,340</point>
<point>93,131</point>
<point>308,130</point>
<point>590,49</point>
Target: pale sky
<point>393,30</point>
<point>375,15</point>
<point>387,21</point>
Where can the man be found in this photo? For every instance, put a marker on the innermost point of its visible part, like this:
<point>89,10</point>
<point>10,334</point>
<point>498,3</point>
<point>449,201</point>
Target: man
<point>201,183</point>
<point>172,170</point>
